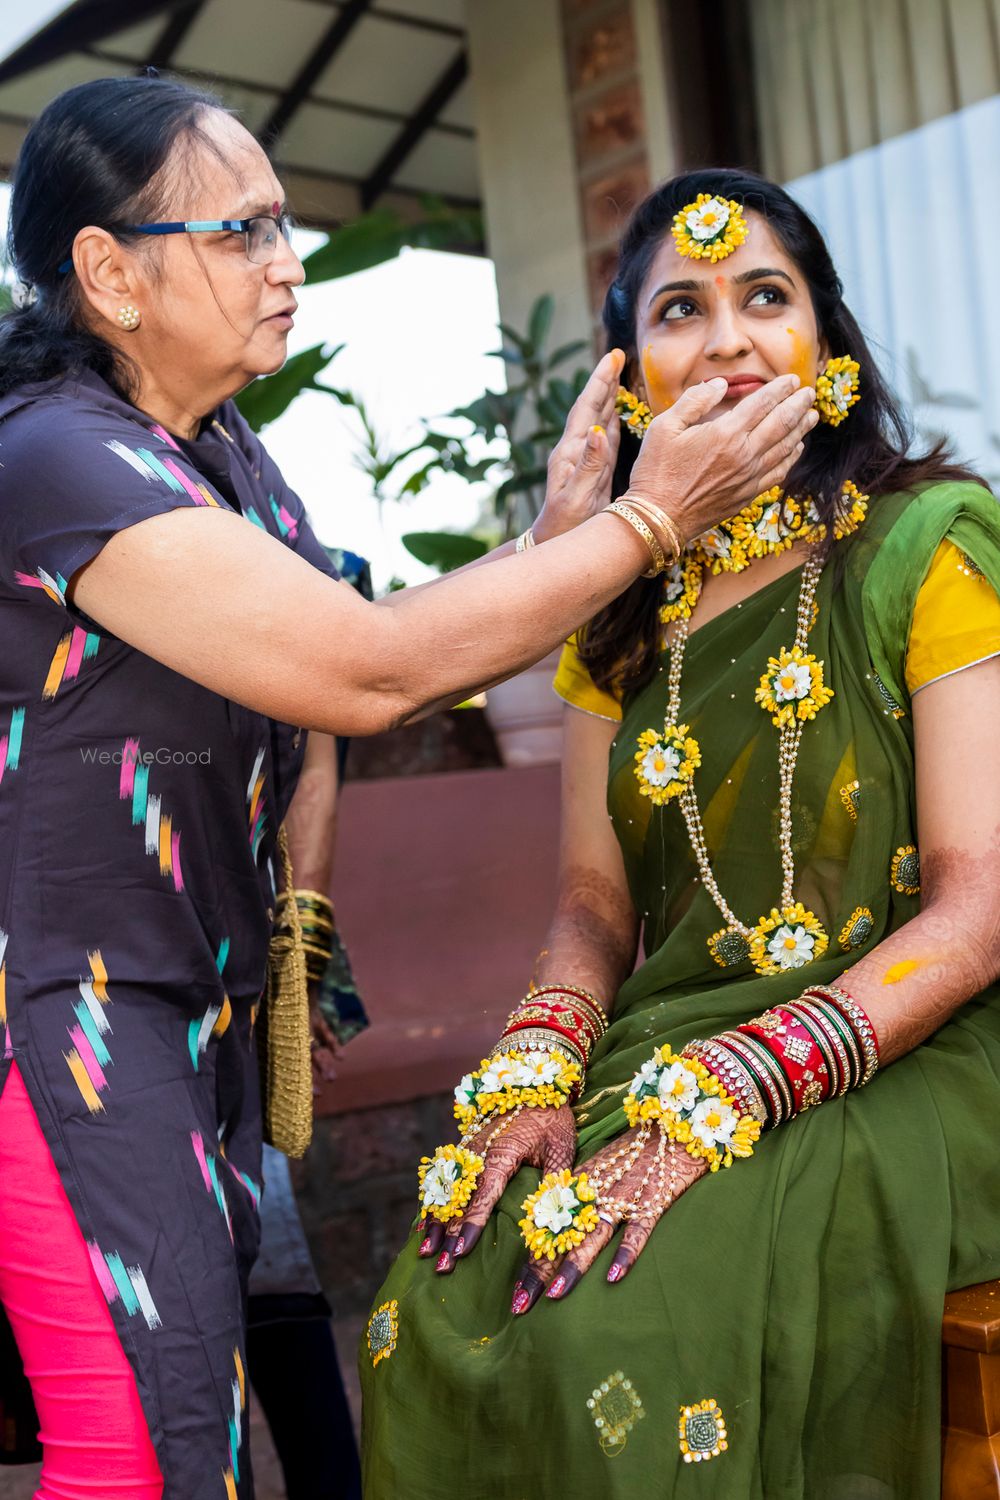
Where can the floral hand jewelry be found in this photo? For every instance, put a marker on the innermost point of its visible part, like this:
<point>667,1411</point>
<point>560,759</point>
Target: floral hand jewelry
<point>692,1107</point>
<point>538,1063</point>
<point>709,228</point>
<point>508,1080</point>
<point>447,1181</point>
<point>559,1215</point>
<point>794,1056</point>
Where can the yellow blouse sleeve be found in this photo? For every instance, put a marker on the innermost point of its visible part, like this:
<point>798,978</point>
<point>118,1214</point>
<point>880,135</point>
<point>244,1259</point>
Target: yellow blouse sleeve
<point>575,685</point>
<point>956,619</point>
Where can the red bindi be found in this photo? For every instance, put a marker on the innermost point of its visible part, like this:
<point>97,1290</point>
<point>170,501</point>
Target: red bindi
<point>274,208</point>
<point>720,282</point>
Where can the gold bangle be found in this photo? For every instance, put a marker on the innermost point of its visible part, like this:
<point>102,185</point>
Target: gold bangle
<point>660,521</point>
<point>633,519</point>
<point>525,541</point>
<point>319,897</point>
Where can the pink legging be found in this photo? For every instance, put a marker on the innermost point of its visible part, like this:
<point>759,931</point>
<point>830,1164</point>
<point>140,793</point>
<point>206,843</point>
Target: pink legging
<point>94,1435</point>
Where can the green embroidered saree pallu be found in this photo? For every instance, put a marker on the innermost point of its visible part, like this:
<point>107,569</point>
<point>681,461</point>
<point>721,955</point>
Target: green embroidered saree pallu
<point>800,1291</point>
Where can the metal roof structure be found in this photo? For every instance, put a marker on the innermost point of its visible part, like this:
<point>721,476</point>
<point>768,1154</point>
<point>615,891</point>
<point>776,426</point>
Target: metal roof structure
<point>362,102</point>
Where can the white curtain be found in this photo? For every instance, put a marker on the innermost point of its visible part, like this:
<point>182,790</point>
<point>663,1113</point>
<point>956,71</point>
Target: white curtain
<point>914,226</point>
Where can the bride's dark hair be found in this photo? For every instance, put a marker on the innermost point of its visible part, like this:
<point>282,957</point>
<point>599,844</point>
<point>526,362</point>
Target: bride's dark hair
<point>621,644</point>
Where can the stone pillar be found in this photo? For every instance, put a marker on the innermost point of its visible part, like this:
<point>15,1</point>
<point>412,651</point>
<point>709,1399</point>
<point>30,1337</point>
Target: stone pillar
<point>624,138</point>
<point>574,128</point>
<point>528,171</point>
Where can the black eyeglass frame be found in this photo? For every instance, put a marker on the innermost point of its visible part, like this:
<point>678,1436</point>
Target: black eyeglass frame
<point>283,223</point>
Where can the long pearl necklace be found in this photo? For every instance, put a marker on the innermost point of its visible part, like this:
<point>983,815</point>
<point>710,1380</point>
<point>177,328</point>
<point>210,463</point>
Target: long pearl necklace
<point>792,691</point>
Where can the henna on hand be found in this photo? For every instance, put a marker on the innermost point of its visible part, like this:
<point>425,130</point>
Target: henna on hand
<point>542,1138</point>
<point>642,1189</point>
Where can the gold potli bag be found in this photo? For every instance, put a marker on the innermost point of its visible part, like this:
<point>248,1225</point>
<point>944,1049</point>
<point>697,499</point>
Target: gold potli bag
<point>286,1065</point>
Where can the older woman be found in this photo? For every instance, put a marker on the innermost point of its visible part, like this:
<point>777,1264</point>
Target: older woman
<point>171,629</point>
<point>807,699</point>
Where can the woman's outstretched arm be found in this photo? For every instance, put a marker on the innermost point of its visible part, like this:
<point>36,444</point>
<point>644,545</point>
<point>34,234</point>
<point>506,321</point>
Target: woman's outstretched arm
<point>308,651</point>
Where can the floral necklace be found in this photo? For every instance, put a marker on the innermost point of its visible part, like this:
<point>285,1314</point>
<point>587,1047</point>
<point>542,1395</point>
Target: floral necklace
<point>791,690</point>
<point>771,523</point>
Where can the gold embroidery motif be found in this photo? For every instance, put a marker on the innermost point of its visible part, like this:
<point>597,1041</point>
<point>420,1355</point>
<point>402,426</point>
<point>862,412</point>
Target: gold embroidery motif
<point>702,1431</point>
<point>615,1407</point>
<point>857,929</point>
<point>891,706</point>
<point>850,796</point>
<point>728,947</point>
<point>904,872</point>
<point>383,1331</point>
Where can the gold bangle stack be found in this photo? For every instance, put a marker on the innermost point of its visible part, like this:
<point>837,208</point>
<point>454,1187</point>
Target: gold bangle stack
<point>665,527</point>
<point>525,541</point>
<point>317,925</point>
<point>656,528</point>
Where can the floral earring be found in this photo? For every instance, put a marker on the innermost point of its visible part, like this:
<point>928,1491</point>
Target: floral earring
<point>129,317</point>
<point>635,415</point>
<point>837,389</point>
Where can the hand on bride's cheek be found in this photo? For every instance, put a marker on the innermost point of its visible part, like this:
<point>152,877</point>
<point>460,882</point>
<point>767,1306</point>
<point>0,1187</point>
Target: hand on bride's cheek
<point>748,318</point>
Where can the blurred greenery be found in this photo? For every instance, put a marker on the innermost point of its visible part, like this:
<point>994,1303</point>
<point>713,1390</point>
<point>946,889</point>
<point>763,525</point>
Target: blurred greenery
<point>519,425</point>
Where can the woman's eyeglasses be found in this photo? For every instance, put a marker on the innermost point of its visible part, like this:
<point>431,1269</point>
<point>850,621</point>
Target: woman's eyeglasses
<point>261,233</point>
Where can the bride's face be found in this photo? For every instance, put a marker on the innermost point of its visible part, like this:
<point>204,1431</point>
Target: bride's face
<point>747,318</point>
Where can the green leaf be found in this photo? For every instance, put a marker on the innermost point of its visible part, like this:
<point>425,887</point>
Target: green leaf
<point>266,398</point>
<point>444,550</point>
<point>509,356</point>
<point>380,234</point>
<point>514,337</point>
<point>540,321</point>
<point>564,352</point>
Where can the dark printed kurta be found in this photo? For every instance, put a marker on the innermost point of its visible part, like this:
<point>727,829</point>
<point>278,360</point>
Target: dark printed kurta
<point>138,817</point>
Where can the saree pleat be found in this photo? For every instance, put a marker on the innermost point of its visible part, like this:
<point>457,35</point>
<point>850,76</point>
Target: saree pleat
<point>802,1289</point>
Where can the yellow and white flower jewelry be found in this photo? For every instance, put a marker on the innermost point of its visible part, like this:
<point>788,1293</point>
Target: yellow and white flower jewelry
<point>792,690</point>
<point>793,687</point>
<point>634,414</point>
<point>665,762</point>
<point>787,938</point>
<point>681,591</point>
<point>447,1181</point>
<point>515,1080</point>
<point>559,1215</point>
<point>710,228</point>
<point>692,1107</point>
<point>837,389</point>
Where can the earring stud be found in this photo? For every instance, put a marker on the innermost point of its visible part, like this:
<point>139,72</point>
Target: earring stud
<point>129,317</point>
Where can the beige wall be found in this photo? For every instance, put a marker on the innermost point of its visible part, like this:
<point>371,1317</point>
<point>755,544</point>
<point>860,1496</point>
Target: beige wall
<point>527,167</point>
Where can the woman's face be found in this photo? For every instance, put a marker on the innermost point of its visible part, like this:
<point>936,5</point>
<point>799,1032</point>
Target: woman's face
<point>208,313</point>
<point>748,318</point>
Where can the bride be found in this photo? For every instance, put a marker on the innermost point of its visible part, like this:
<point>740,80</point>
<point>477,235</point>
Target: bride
<point>700,1214</point>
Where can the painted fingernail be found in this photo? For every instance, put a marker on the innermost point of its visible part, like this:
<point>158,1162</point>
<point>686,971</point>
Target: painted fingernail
<point>598,429</point>
<point>425,1248</point>
<point>521,1303</point>
<point>617,1271</point>
<point>443,1261</point>
<point>557,1288</point>
<point>460,1244</point>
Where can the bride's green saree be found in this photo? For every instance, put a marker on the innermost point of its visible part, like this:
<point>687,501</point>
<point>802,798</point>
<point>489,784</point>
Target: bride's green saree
<point>801,1289</point>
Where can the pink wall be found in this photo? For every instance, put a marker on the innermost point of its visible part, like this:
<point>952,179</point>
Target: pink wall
<point>443,887</point>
